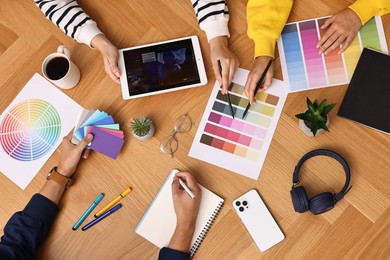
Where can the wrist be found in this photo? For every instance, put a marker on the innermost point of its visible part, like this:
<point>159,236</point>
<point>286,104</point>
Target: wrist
<point>64,171</point>
<point>186,227</point>
<point>218,41</point>
<point>99,42</point>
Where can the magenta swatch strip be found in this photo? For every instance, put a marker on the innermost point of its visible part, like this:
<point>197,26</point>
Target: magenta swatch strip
<point>233,136</point>
<point>313,60</point>
<point>237,125</point>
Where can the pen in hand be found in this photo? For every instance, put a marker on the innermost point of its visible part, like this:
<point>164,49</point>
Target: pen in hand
<point>185,187</point>
<point>228,96</point>
<point>259,83</point>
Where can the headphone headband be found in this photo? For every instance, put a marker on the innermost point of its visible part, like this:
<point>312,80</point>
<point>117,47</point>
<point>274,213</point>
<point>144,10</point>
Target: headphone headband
<point>333,155</point>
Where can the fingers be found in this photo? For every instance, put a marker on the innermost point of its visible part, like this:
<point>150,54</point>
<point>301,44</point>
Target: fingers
<point>267,81</point>
<point>85,153</point>
<point>346,44</point>
<point>176,186</point>
<point>189,180</point>
<point>69,136</point>
<point>327,40</point>
<point>252,93</point>
<point>328,33</point>
<point>111,70</point>
<point>216,72</point>
<point>328,22</point>
<point>232,71</point>
<point>225,76</point>
<point>86,140</point>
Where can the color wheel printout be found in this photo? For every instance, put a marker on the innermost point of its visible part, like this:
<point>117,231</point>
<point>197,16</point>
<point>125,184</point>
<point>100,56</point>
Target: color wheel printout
<point>32,127</point>
<point>239,145</point>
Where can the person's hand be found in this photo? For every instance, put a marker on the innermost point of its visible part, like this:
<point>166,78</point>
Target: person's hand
<point>71,154</point>
<point>342,29</point>
<point>219,50</point>
<point>186,208</point>
<point>110,56</point>
<point>255,75</point>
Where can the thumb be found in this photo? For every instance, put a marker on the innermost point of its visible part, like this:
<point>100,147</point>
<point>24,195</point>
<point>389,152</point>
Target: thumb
<point>175,186</point>
<point>86,140</point>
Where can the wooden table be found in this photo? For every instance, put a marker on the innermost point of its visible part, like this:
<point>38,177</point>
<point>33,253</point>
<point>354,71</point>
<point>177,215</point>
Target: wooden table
<point>358,227</point>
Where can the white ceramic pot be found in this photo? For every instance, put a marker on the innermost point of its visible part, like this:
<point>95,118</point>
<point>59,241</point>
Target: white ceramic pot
<point>147,136</point>
<point>307,130</point>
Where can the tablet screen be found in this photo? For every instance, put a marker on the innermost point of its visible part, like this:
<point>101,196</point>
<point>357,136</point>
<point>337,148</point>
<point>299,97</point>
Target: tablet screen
<point>160,67</point>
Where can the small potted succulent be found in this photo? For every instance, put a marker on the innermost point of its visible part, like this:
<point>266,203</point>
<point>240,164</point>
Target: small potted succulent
<point>142,128</point>
<point>315,120</point>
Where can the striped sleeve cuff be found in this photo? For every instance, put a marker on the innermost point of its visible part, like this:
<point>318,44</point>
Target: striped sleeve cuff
<point>86,33</point>
<point>215,28</point>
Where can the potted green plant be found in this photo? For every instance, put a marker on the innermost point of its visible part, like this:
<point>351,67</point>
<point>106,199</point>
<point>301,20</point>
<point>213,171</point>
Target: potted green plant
<point>315,120</point>
<point>142,128</point>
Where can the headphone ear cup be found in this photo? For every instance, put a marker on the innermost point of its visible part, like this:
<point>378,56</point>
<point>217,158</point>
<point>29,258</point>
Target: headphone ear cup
<point>322,203</point>
<point>299,199</point>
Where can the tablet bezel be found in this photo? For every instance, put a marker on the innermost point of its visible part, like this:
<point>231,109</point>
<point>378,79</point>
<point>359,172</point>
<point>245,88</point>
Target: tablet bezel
<point>198,59</point>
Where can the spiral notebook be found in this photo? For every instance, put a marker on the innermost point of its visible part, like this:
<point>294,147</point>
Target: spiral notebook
<point>159,222</point>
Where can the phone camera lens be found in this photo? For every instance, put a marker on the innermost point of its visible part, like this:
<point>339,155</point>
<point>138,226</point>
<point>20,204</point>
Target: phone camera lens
<point>238,203</point>
<point>241,209</point>
<point>244,203</point>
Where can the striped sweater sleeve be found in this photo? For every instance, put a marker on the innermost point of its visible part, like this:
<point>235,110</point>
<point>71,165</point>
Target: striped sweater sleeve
<point>70,18</point>
<point>213,17</point>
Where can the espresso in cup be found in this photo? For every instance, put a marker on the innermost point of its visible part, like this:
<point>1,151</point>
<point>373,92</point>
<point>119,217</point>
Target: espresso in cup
<point>57,68</point>
<point>60,70</point>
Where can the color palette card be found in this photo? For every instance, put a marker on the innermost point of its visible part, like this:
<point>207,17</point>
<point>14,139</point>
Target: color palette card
<point>108,139</point>
<point>304,68</point>
<point>32,127</point>
<point>238,145</point>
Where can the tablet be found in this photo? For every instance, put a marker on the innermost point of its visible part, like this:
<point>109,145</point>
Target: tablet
<point>161,67</point>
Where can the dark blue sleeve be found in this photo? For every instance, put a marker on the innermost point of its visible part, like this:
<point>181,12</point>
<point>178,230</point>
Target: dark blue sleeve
<point>167,253</point>
<point>26,230</point>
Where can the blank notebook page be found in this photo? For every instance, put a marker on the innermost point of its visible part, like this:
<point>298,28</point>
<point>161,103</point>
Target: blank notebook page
<point>159,221</point>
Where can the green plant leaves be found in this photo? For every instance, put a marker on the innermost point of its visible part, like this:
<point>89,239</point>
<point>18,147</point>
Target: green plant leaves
<point>141,126</point>
<point>316,114</point>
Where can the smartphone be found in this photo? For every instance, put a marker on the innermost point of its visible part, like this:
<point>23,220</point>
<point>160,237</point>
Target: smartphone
<point>257,219</point>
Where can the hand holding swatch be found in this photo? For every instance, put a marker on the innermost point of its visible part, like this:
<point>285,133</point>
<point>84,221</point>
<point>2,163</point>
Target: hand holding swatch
<point>108,139</point>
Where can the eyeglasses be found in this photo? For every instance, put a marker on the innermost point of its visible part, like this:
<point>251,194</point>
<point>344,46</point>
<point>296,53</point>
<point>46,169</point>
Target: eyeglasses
<point>169,144</point>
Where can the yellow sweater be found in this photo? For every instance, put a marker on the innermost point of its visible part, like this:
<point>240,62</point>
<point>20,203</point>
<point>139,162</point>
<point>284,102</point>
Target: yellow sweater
<point>366,9</point>
<point>266,19</point>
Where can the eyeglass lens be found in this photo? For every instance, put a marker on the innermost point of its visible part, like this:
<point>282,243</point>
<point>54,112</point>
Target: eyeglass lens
<point>182,125</point>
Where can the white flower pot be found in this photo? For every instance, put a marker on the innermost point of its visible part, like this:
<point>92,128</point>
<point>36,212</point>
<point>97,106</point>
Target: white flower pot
<point>147,136</point>
<point>307,131</point>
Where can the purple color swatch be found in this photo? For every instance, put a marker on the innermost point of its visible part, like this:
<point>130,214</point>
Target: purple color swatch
<point>105,143</point>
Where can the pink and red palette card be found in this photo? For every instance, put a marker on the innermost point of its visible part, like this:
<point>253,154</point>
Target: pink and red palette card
<point>108,139</point>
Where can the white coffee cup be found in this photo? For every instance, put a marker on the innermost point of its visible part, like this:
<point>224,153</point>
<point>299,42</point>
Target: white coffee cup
<point>60,70</point>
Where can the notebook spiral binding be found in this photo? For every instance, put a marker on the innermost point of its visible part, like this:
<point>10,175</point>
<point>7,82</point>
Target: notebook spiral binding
<point>206,228</point>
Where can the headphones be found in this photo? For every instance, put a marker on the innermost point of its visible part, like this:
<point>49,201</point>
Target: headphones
<point>322,202</point>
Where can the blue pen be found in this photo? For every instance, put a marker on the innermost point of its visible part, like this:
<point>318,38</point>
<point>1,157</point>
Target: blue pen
<point>96,220</point>
<point>88,211</point>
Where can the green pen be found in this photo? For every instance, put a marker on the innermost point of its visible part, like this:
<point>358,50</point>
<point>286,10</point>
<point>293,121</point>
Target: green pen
<point>88,211</point>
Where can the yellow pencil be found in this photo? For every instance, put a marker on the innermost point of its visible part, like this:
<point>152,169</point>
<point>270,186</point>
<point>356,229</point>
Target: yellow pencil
<point>113,202</point>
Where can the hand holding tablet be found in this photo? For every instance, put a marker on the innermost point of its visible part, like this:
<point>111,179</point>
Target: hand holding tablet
<point>161,67</point>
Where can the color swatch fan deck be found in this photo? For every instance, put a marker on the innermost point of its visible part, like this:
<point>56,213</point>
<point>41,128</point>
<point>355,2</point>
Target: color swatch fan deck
<point>304,68</point>
<point>32,127</point>
<point>239,145</point>
<point>108,139</point>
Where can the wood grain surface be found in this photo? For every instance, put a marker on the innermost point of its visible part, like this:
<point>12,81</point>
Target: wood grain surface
<point>357,228</point>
